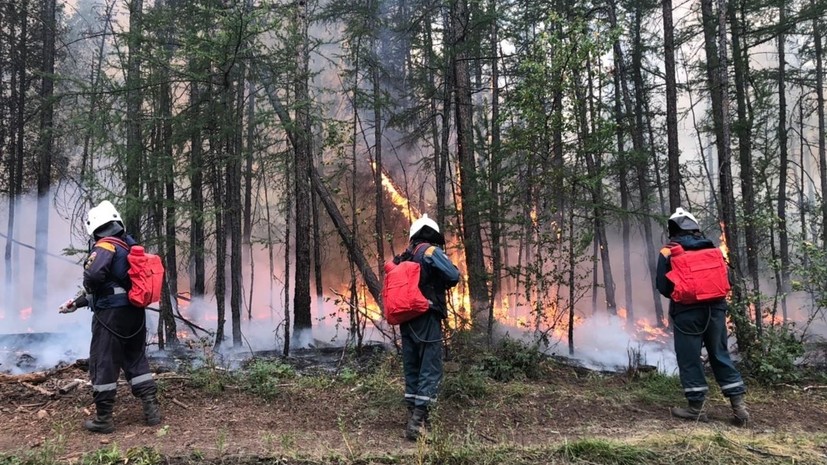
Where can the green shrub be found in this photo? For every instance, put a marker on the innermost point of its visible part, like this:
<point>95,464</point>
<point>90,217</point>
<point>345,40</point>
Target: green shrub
<point>464,385</point>
<point>513,359</point>
<point>263,377</point>
<point>775,362</point>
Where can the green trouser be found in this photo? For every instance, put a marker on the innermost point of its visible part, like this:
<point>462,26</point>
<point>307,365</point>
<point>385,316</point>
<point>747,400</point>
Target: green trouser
<point>422,359</point>
<point>704,327</point>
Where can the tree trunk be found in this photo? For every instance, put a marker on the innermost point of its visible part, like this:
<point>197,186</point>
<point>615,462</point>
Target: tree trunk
<point>494,173</point>
<point>469,195</point>
<point>302,321</point>
<point>743,130</point>
<point>134,143</point>
<point>623,183</point>
<point>44,172</point>
<point>639,159</point>
<point>19,52</point>
<point>716,68</point>
<point>783,162</point>
<point>673,152</point>
<point>822,153</point>
<point>377,142</point>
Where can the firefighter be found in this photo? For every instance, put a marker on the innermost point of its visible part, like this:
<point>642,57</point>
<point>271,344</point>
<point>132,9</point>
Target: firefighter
<point>699,324</point>
<point>422,336</point>
<point>118,327</point>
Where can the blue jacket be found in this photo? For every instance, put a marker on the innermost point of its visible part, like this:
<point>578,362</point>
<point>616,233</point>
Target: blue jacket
<point>437,275</point>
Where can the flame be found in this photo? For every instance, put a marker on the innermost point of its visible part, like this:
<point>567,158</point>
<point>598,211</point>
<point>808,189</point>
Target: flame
<point>533,215</point>
<point>648,332</point>
<point>397,198</point>
<point>622,313</point>
<point>25,313</point>
<point>724,246</point>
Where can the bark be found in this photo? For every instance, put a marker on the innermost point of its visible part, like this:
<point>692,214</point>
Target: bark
<point>168,177</point>
<point>447,91</point>
<point>783,162</point>
<point>233,110</point>
<point>45,148</point>
<point>494,173</point>
<point>377,143</point>
<point>673,152</point>
<point>317,254</point>
<point>822,136</point>
<point>302,147</point>
<point>743,129</point>
<point>623,183</point>
<point>19,52</point>
<point>134,99</point>
<point>197,239</point>
<point>468,182</point>
<point>716,69</point>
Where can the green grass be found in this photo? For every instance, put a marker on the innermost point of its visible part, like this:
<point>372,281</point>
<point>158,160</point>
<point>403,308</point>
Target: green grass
<point>605,452</point>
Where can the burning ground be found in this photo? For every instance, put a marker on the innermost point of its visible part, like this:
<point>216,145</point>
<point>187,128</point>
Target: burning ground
<point>320,407</point>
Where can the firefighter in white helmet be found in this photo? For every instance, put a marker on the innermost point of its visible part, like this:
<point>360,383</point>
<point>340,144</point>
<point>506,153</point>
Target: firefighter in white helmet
<point>422,336</point>
<point>118,327</point>
<point>697,307</point>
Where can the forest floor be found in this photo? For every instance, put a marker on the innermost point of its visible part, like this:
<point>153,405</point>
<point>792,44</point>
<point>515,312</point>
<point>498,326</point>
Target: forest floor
<point>271,412</point>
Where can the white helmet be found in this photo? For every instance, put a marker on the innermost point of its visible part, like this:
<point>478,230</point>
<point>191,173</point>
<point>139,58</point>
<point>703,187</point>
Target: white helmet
<point>100,215</point>
<point>421,223</point>
<point>682,220</point>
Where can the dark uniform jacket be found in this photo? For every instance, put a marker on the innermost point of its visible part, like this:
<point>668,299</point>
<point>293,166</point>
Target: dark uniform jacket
<point>665,286</point>
<point>106,280</point>
<point>437,275</point>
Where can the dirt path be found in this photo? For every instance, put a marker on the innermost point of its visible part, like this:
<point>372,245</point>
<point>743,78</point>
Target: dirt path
<point>324,417</point>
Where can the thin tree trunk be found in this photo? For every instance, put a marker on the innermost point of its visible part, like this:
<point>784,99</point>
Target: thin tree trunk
<point>377,143</point>
<point>19,52</point>
<point>44,174</point>
<point>624,199</point>
<point>167,175</point>
<point>469,193</point>
<point>640,162</point>
<point>134,99</point>
<point>822,153</point>
<point>673,152</point>
<point>716,67</point>
<point>743,129</point>
<point>783,240</point>
<point>494,173</point>
<point>301,295</point>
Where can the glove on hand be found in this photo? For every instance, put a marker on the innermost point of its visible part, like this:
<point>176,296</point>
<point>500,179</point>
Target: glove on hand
<point>67,307</point>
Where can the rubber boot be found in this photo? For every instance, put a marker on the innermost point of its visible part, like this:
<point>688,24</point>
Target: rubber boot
<point>694,411</point>
<point>740,416</point>
<point>102,423</point>
<point>416,424</point>
<point>152,411</point>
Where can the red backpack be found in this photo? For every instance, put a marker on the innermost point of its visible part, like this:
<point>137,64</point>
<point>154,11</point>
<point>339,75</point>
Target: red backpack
<point>401,296</point>
<point>699,275</point>
<point>146,272</point>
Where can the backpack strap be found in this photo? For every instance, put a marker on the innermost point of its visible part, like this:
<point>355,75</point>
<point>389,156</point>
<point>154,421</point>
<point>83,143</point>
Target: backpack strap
<point>419,247</point>
<point>114,241</point>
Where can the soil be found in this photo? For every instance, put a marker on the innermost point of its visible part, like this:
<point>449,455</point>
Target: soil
<point>350,418</point>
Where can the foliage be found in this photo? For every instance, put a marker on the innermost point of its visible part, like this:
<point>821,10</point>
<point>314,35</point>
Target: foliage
<point>464,385</point>
<point>779,349</point>
<point>513,359</point>
<point>263,377</point>
<point>106,456</point>
<point>656,388</point>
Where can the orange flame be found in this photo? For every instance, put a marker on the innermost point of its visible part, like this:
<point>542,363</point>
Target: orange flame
<point>397,198</point>
<point>724,246</point>
<point>25,314</point>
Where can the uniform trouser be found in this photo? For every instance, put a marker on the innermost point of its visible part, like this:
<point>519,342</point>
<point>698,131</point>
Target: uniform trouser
<point>422,359</point>
<point>704,326</point>
<point>110,353</point>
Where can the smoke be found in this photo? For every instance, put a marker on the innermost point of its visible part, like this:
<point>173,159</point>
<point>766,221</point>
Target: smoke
<point>70,334</point>
<point>605,343</point>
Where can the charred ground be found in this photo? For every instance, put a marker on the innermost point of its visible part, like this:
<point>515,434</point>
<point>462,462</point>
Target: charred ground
<point>495,408</point>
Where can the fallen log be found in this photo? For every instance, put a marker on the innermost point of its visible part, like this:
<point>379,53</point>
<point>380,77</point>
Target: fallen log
<point>71,386</point>
<point>36,377</point>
